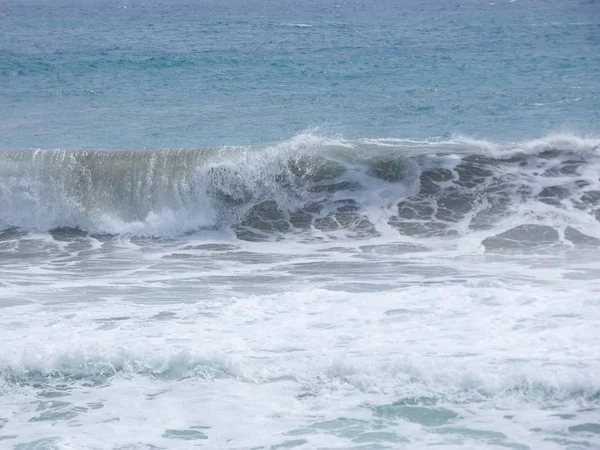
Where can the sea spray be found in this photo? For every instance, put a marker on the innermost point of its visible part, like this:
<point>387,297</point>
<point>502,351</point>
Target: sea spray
<point>445,188</point>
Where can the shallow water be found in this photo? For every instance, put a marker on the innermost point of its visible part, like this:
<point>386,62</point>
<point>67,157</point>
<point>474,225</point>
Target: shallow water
<point>118,343</point>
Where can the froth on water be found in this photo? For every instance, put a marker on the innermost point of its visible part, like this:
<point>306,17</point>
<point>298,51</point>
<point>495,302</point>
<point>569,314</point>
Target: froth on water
<point>537,192</point>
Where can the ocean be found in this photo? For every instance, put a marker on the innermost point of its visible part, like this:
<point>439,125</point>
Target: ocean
<point>299,224</point>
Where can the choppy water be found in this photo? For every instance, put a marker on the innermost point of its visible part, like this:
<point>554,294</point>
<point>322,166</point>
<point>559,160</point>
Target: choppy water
<point>318,225</point>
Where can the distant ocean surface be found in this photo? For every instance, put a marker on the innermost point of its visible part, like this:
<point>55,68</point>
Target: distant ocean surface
<point>299,224</point>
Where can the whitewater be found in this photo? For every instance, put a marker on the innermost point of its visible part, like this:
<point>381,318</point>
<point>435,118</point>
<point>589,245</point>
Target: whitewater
<point>312,293</point>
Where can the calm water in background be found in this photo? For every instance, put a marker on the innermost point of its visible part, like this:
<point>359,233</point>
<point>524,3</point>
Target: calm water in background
<point>195,74</point>
<point>299,224</point>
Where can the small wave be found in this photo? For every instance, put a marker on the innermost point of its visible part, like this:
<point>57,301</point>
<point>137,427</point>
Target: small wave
<point>419,188</point>
<point>99,366</point>
<point>297,25</point>
<point>408,380</point>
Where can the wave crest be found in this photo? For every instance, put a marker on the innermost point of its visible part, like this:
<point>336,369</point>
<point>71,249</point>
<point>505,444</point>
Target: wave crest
<point>410,379</point>
<point>311,183</point>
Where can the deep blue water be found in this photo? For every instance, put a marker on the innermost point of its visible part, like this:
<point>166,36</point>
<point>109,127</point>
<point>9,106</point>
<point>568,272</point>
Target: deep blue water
<point>132,74</point>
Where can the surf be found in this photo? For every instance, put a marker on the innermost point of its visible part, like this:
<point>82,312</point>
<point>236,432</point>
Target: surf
<point>543,190</point>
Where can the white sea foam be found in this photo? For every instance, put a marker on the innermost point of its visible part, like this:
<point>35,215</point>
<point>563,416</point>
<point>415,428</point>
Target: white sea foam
<point>332,367</point>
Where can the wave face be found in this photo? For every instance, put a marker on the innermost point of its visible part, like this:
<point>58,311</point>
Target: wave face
<point>545,190</point>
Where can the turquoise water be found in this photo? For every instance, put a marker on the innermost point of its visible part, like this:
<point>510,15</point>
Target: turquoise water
<point>127,74</point>
<point>310,225</point>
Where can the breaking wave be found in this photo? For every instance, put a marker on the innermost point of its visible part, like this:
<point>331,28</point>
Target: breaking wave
<point>409,378</point>
<point>545,190</point>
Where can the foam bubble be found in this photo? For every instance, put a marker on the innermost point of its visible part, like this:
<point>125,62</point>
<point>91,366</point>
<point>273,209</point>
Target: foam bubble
<point>329,366</point>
